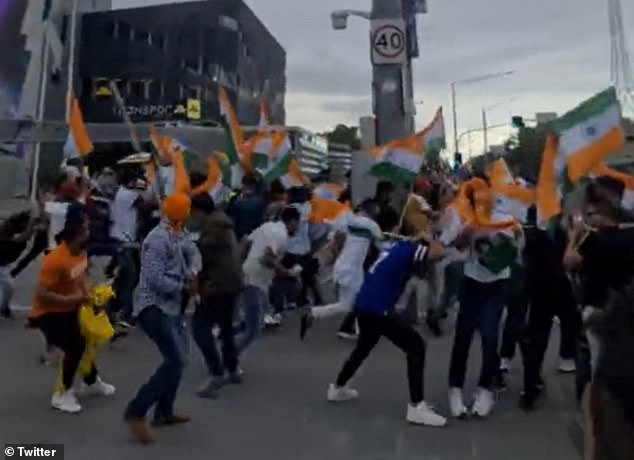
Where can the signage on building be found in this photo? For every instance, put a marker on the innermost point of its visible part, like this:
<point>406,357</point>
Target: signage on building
<point>388,41</point>
<point>152,111</point>
<point>193,109</point>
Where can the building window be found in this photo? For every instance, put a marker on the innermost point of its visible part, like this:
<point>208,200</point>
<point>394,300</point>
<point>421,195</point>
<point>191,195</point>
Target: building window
<point>136,89</point>
<point>112,29</point>
<point>124,31</point>
<point>158,40</point>
<point>228,23</point>
<point>141,36</point>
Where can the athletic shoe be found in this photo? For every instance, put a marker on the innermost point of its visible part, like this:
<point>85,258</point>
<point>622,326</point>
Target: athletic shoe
<point>209,388</point>
<point>99,388</point>
<point>66,402</point>
<point>529,398</point>
<point>306,323</point>
<point>433,323</point>
<point>347,335</point>
<point>456,403</point>
<point>484,402</point>
<point>341,394</point>
<point>423,414</point>
<point>505,364</point>
<point>567,366</point>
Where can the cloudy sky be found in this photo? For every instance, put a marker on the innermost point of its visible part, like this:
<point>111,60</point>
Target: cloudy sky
<point>559,49</point>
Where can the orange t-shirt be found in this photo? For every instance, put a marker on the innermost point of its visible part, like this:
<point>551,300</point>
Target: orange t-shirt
<point>61,273</point>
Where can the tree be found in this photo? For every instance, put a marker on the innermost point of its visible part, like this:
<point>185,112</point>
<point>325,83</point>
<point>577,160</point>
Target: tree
<point>526,157</point>
<point>347,135</point>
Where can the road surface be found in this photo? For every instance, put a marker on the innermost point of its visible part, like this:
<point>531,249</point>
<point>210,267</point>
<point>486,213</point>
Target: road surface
<point>280,411</point>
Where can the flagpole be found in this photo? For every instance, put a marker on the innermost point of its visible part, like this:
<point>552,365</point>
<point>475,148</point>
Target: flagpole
<point>40,118</point>
<point>71,60</point>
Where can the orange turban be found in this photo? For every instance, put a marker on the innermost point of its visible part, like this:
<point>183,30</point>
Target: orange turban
<point>176,207</point>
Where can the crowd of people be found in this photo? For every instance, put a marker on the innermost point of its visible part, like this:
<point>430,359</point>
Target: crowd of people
<point>244,262</point>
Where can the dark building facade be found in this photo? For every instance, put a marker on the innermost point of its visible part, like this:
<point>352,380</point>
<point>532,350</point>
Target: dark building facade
<point>162,56</point>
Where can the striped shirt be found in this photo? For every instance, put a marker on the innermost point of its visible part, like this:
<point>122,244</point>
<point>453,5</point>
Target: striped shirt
<point>167,262</point>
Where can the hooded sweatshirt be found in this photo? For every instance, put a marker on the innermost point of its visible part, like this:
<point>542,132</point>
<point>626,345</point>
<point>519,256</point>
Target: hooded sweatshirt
<point>222,269</point>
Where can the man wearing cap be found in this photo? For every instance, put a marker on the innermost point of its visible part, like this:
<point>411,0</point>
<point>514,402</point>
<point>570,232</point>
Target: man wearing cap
<point>169,262</point>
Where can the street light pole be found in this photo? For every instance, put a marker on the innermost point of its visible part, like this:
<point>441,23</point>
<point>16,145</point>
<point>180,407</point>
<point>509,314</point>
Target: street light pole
<point>469,81</point>
<point>485,133</point>
<point>388,83</point>
<point>455,116</point>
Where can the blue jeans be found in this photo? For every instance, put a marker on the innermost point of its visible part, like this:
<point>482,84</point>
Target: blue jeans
<point>6,290</point>
<point>481,307</point>
<point>161,388</point>
<point>254,303</point>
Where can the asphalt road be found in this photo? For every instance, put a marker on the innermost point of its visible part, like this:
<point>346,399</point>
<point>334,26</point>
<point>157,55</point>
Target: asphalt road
<point>280,411</point>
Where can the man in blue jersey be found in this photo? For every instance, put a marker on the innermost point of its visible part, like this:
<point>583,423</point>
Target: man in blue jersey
<point>377,317</point>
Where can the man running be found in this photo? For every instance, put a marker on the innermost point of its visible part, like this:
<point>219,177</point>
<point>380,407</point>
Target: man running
<point>360,232</point>
<point>377,317</point>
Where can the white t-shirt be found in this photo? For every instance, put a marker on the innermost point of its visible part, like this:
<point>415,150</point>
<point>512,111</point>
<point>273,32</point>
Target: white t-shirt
<point>124,215</point>
<point>473,268</point>
<point>56,212</point>
<point>361,231</point>
<point>299,243</point>
<point>271,235</point>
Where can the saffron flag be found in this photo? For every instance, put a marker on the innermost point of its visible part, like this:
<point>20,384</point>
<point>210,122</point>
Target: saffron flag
<point>78,143</point>
<point>548,190</point>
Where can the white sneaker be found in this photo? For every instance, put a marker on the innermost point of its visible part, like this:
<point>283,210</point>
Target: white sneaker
<point>484,402</point>
<point>66,402</point>
<point>423,414</point>
<point>567,366</point>
<point>272,320</point>
<point>99,388</point>
<point>505,364</point>
<point>456,403</point>
<point>347,335</point>
<point>341,394</point>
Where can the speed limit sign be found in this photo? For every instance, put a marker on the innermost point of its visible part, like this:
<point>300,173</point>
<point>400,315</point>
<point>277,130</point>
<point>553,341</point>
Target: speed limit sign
<point>388,41</point>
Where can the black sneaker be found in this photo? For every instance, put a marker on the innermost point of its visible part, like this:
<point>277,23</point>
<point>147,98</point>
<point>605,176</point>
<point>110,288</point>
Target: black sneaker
<point>528,399</point>
<point>305,324</point>
<point>500,383</point>
<point>433,323</point>
<point>6,314</point>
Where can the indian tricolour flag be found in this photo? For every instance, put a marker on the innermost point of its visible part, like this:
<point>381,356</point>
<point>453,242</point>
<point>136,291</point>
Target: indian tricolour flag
<point>434,136</point>
<point>512,198</point>
<point>78,143</point>
<point>589,133</point>
<point>399,161</point>
<point>234,137</point>
<point>280,157</point>
<point>256,150</point>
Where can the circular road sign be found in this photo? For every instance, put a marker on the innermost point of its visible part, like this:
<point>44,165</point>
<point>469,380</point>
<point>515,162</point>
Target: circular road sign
<point>389,41</point>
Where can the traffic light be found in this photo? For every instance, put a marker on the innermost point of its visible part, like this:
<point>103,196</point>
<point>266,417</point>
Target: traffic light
<point>517,122</point>
<point>457,161</point>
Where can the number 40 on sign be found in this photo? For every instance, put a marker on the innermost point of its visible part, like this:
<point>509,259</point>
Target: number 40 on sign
<point>388,41</point>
